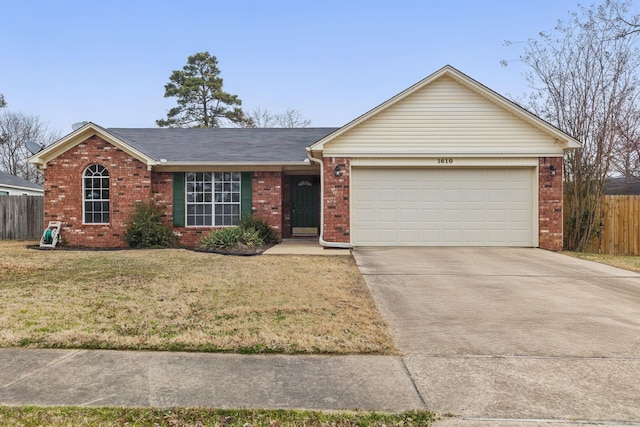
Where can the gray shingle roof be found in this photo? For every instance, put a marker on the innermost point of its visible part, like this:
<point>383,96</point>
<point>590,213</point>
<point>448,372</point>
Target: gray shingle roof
<point>14,181</point>
<point>223,144</point>
<point>622,186</point>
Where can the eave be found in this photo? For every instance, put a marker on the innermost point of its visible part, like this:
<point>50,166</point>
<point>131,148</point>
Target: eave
<point>235,166</point>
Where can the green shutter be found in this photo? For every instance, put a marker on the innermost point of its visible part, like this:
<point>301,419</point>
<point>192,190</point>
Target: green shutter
<point>178,199</point>
<point>245,193</point>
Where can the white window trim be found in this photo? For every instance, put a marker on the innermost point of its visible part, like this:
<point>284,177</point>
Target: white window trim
<point>213,202</point>
<point>84,199</point>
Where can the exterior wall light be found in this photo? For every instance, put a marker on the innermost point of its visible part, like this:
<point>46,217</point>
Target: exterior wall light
<point>552,170</point>
<point>338,171</point>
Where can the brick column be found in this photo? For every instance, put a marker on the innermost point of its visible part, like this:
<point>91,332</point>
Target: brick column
<point>336,200</point>
<point>266,197</point>
<point>550,203</point>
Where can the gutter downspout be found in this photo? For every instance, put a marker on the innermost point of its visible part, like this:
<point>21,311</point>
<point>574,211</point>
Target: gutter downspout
<point>323,242</point>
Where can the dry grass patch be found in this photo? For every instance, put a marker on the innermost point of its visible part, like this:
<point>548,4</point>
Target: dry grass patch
<point>174,299</point>
<point>627,262</point>
<point>182,417</point>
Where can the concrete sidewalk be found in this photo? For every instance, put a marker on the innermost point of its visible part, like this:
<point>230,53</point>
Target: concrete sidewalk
<point>166,379</point>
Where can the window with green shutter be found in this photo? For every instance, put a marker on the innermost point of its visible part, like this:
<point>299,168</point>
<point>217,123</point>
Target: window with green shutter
<point>205,199</point>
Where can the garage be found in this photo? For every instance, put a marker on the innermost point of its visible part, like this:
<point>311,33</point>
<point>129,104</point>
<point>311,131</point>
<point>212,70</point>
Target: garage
<point>446,162</point>
<point>443,207</point>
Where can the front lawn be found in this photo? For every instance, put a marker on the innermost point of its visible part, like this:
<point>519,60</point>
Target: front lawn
<point>627,262</point>
<point>175,299</point>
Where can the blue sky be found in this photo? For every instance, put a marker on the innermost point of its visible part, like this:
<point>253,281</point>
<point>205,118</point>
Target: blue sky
<point>108,61</point>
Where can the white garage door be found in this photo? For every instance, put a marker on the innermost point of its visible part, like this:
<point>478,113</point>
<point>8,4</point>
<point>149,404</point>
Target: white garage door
<point>443,207</point>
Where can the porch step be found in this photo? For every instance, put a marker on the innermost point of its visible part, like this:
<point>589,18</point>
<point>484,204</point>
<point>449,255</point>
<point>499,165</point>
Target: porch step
<point>304,231</point>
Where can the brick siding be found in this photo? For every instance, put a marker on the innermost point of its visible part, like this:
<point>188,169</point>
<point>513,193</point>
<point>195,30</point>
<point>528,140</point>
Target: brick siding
<point>267,198</point>
<point>336,200</point>
<point>129,181</point>
<point>550,203</point>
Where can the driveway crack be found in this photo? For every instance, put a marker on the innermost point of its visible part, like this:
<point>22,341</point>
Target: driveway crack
<point>413,384</point>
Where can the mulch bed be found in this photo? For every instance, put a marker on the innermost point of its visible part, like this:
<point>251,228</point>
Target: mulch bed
<point>239,250</point>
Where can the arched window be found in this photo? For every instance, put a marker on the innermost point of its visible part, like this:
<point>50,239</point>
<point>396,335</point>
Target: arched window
<point>95,195</point>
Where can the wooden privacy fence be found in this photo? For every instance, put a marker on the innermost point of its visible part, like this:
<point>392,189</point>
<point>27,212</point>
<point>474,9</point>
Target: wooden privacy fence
<point>619,229</point>
<point>21,217</point>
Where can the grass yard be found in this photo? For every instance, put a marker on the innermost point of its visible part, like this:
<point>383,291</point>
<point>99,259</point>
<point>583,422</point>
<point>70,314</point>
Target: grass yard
<point>627,262</point>
<point>32,416</point>
<point>175,299</point>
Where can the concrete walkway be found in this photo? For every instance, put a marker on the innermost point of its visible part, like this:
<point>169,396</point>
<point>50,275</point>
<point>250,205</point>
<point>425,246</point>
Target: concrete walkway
<point>304,247</point>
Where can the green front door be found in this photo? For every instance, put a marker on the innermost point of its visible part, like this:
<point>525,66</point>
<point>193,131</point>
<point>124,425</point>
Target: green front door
<point>305,204</point>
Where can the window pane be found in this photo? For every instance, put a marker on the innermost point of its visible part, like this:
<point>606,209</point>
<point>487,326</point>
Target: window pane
<point>96,194</point>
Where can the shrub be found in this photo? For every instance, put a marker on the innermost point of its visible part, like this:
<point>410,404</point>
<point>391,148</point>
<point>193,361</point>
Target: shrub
<point>228,238</point>
<point>146,230</point>
<point>265,231</point>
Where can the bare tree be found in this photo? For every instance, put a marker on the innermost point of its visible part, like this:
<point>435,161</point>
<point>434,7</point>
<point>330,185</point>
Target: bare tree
<point>15,130</point>
<point>291,118</point>
<point>584,80</point>
<point>626,24</point>
<point>626,156</point>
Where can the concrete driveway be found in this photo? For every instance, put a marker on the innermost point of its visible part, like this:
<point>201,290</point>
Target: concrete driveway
<point>512,333</point>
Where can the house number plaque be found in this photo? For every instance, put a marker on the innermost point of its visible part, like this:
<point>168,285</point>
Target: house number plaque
<point>445,161</point>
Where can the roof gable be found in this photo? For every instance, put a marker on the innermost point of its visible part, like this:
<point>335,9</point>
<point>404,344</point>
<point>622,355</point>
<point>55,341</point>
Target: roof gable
<point>447,113</point>
<point>82,134</point>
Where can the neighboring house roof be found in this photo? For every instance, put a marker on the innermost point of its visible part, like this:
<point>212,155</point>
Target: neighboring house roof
<point>622,186</point>
<point>566,141</point>
<point>158,146</point>
<point>8,180</point>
